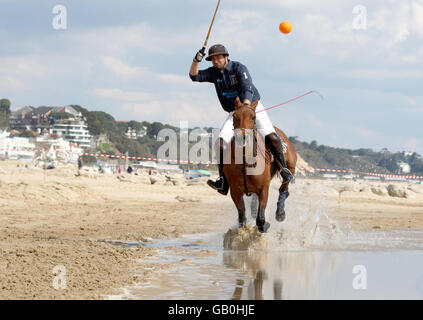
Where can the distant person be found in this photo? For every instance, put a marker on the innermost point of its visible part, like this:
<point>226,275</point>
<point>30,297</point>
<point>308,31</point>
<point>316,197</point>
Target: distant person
<point>79,163</point>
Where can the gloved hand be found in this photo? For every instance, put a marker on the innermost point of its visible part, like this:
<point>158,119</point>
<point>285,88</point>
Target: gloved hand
<point>200,55</point>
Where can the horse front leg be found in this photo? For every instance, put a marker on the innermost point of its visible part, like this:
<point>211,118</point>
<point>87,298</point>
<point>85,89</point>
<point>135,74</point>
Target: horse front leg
<point>283,190</point>
<point>238,200</point>
<point>254,206</point>
<point>280,207</point>
<point>261,223</point>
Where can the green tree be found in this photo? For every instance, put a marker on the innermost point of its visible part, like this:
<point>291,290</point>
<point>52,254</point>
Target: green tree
<point>101,122</point>
<point>313,145</point>
<point>60,115</point>
<point>155,128</point>
<point>83,111</point>
<point>5,113</point>
<point>5,106</point>
<point>137,126</point>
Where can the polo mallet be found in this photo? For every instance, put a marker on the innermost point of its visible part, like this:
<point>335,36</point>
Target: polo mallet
<point>203,49</point>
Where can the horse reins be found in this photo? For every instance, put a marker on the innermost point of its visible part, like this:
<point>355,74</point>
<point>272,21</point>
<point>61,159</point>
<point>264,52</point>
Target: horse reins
<point>255,147</point>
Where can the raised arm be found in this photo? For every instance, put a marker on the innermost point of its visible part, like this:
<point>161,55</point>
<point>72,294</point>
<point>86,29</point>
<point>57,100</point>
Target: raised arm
<point>194,68</point>
<point>200,75</point>
<point>197,59</point>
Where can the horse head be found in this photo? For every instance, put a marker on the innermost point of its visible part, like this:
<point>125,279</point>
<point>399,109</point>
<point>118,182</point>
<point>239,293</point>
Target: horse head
<point>244,119</point>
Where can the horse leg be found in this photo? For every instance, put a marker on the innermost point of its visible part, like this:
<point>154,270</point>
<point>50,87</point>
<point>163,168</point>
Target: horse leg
<point>291,161</point>
<point>239,203</point>
<point>280,208</point>
<point>261,223</point>
<point>254,206</point>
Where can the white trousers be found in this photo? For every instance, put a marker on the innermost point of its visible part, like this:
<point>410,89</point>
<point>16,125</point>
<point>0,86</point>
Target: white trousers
<point>263,124</point>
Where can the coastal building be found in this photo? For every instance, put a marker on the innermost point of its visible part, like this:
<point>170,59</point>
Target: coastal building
<point>73,131</point>
<point>16,148</point>
<point>404,167</point>
<point>57,149</point>
<point>36,119</point>
<point>65,122</point>
<point>134,134</point>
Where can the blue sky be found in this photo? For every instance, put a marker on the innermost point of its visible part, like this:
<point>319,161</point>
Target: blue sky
<point>131,59</point>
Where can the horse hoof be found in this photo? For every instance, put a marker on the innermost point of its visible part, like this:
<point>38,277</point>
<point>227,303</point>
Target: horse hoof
<point>264,227</point>
<point>242,224</point>
<point>280,216</point>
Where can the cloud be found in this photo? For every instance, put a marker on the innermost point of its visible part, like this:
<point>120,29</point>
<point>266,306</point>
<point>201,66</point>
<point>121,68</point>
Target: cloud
<point>385,73</point>
<point>119,94</point>
<point>364,132</point>
<point>413,144</point>
<point>398,20</point>
<point>122,70</point>
<point>126,72</point>
<point>238,29</point>
<point>170,107</point>
<point>195,109</point>
<point>20,72</point>
<point>139,70</point>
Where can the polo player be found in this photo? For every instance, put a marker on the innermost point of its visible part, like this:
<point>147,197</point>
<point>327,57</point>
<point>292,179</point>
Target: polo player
<point>231,80</point>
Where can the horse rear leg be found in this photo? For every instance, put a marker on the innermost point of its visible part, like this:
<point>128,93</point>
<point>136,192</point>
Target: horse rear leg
<point>261,223</point>
<point>240,205</point>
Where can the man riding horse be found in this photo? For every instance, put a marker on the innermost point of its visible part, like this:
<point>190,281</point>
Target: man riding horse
<point>232,80</point>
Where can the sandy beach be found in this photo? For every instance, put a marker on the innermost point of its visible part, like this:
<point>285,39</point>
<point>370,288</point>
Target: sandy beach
<point>52,218</point>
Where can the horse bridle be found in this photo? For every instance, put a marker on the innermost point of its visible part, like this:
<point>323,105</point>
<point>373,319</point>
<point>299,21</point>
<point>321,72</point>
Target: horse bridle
<point>246,105</point>
<point>256,145</point>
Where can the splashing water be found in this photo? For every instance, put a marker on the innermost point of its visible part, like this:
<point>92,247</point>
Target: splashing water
<point>308,226</point>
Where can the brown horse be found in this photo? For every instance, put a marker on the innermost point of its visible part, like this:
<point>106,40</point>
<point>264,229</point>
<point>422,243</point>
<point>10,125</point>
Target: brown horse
<point>249,168</point>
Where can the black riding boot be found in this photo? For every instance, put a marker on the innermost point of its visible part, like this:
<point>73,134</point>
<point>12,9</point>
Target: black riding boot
<point>221,185</point>
<point>274,142</point>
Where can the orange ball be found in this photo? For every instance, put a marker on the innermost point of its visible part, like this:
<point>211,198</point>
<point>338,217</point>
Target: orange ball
<point>285,27</point>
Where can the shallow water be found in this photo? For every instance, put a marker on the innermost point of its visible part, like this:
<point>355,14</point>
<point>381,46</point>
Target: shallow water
<point>203,270</point>
<point>308,256</point>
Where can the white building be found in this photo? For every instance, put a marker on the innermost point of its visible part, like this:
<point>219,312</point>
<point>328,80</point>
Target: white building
<point>405,167</point>
<point>16,147</point>
<point>73,131</point>
<point>134,134</point>
<point>61,150</point>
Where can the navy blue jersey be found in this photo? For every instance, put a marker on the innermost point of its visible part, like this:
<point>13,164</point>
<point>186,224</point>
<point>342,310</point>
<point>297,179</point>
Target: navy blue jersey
<point>231,82</point>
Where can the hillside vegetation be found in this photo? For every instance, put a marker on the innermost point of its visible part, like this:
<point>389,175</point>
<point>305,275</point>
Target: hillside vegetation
<point>317,156</point>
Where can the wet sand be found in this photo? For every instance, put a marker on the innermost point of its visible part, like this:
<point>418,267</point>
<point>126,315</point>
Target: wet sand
<point>53,217</point>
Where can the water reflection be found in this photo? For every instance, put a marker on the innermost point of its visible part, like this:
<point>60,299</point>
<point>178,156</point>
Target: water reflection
<point>208,272</point>
<point>254,264</point>
<point>255,288</point>
<point>323,274</point>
